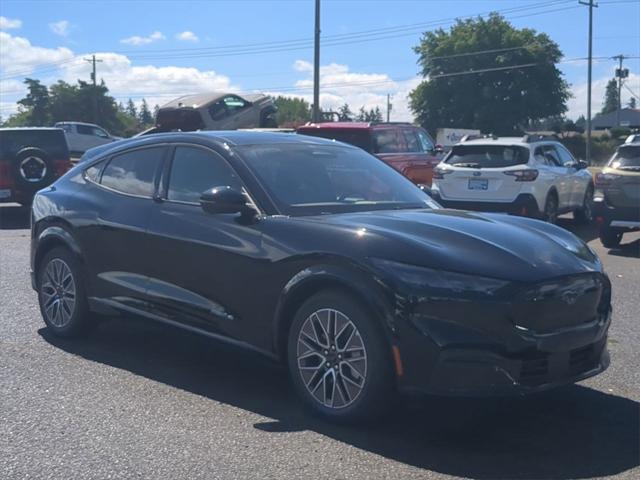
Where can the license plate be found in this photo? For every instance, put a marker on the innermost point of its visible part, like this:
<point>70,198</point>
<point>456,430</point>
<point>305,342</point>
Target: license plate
<point>5,193</point>
<point>478,184</point>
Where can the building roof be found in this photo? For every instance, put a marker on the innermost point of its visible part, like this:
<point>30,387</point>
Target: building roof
<point>629,117</point>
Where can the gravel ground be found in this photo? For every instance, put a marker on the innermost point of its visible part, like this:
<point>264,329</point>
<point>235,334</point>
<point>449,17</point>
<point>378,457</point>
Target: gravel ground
<point>138,400</point>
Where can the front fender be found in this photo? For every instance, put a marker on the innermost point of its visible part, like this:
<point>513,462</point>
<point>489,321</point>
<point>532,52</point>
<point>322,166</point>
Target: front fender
<point>364,285</point>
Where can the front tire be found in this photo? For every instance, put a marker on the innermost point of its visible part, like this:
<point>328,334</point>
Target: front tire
<point>610,238</point>
<point>339,360</point>
<point>551,209</point>
<point>61,294</point>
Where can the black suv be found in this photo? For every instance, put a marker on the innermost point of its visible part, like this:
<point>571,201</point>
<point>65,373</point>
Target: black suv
<point>30,159</point>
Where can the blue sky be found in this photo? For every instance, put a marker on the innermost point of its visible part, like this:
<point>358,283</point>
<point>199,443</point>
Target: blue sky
<point>159,49</point>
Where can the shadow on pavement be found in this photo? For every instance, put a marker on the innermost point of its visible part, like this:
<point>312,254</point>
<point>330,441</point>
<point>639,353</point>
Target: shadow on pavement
<point>631,249</point>
<point>14,217</point>
<point>574,432</point>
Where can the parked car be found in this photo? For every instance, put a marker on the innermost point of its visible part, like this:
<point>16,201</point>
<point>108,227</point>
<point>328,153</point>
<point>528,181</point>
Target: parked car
<point>83,136</point>
<point>617,195</point>
<point>407,148</point>
<point>320,255</point>
<point>30,159</point>
<point>215,111</point>
<point>529,176</point>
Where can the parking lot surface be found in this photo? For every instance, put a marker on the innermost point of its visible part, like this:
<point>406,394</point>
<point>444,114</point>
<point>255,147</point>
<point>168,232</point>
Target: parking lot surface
<point>139,400</point>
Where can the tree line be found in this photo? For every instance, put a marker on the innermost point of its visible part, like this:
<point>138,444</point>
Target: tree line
<point>43,106</point>
<point>293,111</point>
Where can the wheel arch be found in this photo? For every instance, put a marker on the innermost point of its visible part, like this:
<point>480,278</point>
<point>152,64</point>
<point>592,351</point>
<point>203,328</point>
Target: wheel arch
<point>52,236</point>
<point>321,277</point>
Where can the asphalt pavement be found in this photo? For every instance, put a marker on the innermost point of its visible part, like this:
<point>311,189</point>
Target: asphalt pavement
<point>139,400</point>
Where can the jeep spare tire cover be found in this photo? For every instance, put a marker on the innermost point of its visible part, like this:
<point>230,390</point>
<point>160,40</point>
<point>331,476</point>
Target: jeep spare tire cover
<point>33,168</point>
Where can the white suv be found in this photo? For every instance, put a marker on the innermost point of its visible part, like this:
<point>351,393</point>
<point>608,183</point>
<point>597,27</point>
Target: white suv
<point>530,175</point>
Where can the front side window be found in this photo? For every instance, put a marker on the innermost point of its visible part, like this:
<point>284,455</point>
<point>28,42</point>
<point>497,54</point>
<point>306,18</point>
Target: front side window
<point>316,179</point>
<point>85,130</point>
<point>195,170</point>
<point>425,142</point>
<point>98,132</point>
<point>234,103</point>
<point>566,158</point>
<point>133,172</point>
<point>551,154</point>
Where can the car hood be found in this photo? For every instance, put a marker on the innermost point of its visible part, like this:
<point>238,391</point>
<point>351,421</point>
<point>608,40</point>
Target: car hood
<point>492,245</point>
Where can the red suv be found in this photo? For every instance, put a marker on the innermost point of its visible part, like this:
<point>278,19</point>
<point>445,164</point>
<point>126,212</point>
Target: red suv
<point>407,148</point>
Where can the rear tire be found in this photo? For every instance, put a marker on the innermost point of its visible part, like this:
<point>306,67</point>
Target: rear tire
<point>584,215</point>
<point>610,238</point>
<point>339,360</point>
<point>551,209</point>
<point>61,294</point>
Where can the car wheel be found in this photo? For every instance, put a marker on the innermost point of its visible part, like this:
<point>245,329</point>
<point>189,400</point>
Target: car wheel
<point>33,169</point>
<point>610,238</point>
<point>61,294</point>
<point>551,209</point>
<point>339,360</point>
<point>584,215</point>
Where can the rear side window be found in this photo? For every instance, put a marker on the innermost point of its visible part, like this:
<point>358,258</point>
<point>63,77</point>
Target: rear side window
<point>133,172</point>
<point>487,156</point>
<point>411,141</point>
<point>53,142</point>
<point>195,170</point>
<point>386,141</point>
<point>359,138</point>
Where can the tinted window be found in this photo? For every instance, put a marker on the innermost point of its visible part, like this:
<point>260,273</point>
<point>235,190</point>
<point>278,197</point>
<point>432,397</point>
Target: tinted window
<point>487,156</point>
<point>195,170</point>
<point>386,141</point>
<point>551,155</point>
<point>411,141</point>
<point>565,157</point>
<point>627,156</point>
<point>313,179</point>
<point>133,172</point>
<point>53,142</point>
<point>89,130</point>
<point>359,138</point>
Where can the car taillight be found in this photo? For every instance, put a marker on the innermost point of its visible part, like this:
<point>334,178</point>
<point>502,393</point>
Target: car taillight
<point>604,179</point>
<point>439,173</point>
<point>61,167</point>
<point>6,179</point>
<point>528,175</point>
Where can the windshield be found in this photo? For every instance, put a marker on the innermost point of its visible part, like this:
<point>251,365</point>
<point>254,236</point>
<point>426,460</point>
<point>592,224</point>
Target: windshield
<point>487,156</point>
<point>627,156</point>
<point>305,179</point>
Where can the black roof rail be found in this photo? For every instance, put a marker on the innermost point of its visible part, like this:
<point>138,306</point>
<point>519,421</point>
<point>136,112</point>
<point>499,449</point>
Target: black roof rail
<point>530,138</point>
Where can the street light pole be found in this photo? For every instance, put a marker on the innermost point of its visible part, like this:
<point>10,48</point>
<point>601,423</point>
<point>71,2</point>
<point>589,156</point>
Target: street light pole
<point>591,4</point>
<point>316,66</point>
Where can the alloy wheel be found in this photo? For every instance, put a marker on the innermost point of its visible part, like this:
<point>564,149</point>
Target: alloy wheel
<point>331,358</point>
<point>58,291</point>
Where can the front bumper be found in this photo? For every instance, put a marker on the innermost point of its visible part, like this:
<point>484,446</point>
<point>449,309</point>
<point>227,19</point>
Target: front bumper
<point>493,348</point>
<point>525,204</point>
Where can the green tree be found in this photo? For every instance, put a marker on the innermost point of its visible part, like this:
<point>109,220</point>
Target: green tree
<point>292,111</point>
<point>131,109</point>
<point>371,115</point>
<point>610,97</point>
<point>144,115</point>
<point>499,101</point>
<point>344,113</point>
<point>36,103</point>
<point>632,103</point>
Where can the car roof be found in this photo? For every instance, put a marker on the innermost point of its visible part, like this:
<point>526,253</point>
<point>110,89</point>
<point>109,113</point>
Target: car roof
<point>77,123</point>
<point>199,99</point>
<point>521,141</point>
<point>21,129</point>
<point>352,125</point>
<point>230,137</point>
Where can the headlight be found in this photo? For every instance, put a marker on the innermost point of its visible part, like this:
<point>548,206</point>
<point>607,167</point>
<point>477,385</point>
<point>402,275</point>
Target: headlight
<point>427,278</point>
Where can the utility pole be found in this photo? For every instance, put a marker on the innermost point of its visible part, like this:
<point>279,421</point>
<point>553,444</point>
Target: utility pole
<point>93,61</point>
<point>316,66</point>
<point>388,108</point>
<point>591,4</point>
<point>620,74</point>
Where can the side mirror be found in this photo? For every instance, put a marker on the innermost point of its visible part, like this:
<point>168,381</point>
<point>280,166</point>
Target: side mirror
<point>439,148</point>
<point>582,165</point>
<point>223,200</point>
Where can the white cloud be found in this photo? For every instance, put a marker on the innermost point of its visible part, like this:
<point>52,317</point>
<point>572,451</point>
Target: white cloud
<point>339,85</point>
<point>60,28</point>
<point>20,56</point>
<point>137,40</point>
<point>187,36</point>
<point>577,105</point>
<point>9,23</point>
